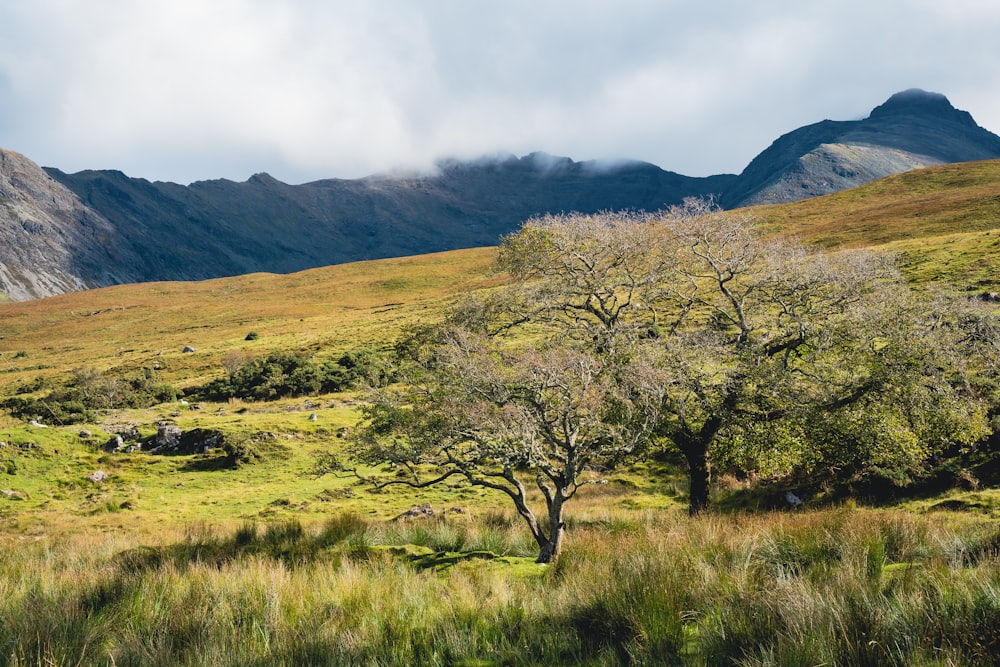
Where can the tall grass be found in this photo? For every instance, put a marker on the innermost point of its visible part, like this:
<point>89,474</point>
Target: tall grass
<point>846,587</point>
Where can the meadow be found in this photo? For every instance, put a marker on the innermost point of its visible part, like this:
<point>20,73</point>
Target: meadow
<point>194,559</point>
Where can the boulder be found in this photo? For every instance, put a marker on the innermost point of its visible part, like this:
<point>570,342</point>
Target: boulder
<point>11,494</point>
<point>115,444</point>
<point>168,439</point>
<point>98,477</point>
<point>128,432</point>
<point>418,512</point>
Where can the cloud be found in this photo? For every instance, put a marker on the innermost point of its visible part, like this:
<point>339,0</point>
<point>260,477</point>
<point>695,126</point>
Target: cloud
<point>305,89</point>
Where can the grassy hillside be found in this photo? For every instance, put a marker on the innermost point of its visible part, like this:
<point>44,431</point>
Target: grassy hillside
<point>944,223</point>
<point>924,203</point>
<point>197,559</point>
<point>330,309</point>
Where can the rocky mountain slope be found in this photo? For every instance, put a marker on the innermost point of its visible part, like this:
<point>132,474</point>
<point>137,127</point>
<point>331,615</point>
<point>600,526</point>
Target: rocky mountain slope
<point>50,242</point>
<point>912,129</point>
<point>63,232</point>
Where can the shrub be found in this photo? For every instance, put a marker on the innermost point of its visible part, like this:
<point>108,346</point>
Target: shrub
<point>89,389</point>
<point>284,374</point>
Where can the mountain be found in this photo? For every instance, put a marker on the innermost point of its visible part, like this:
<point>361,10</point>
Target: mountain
<point>220,228</point>
<point>912,129</point>
<point>50,242</point>
<point>62,232</point>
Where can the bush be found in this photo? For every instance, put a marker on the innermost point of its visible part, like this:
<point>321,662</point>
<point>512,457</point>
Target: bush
<point>284,374</point>
<point>89,389</point>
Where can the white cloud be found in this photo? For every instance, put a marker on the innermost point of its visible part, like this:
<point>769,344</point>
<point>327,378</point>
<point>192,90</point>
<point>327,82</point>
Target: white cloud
<point>305,89</point>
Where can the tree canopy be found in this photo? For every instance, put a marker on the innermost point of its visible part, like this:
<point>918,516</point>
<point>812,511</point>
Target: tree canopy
<point>689,330</point>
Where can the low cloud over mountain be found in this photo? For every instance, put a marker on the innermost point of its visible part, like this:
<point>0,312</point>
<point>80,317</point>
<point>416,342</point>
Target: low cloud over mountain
<point>62,232</point>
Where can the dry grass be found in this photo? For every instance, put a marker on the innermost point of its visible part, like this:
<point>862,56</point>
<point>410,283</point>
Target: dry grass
<point>331,309</point>
<point>836,587</point>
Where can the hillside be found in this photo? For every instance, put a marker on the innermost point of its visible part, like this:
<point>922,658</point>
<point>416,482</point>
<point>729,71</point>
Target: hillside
<point>63,232</point>
<point>199,557</point>
<point>920,214</point>
<point>145,327</point>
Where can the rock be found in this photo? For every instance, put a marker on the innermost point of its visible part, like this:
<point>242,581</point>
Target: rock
<point>792,499</point>
<point>98,477</point>
<point>85,434</point>
<point>418,512</point>
<point>35,422</point>
<point>115,444</point>
<point>188,349</point>
<point>128,432</point>
<point>168,439</point>
<point>313,417</point>
<point>10,494</point>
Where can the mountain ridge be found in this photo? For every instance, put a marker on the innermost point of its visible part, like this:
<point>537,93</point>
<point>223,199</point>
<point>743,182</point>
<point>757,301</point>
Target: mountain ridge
<point>62,232</point>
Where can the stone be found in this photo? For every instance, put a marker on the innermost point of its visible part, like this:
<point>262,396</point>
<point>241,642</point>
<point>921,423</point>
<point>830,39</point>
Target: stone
<point>11,494</point>
<point>168,439</point>
<point>418,512</point>
<point>98,477</point>
<point>188,349</point>
<point>115,444</point>
<point>129,433</point>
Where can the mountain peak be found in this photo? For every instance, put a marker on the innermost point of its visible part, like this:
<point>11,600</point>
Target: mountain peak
<point>917,102</point>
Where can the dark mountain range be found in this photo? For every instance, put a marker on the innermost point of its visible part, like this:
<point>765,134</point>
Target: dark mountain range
<point>61,232</point>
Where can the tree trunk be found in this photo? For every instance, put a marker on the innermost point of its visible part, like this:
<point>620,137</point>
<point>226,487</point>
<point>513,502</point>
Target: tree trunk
<point>548,545</point>
<point>548,551</point>
<point>699,476</point>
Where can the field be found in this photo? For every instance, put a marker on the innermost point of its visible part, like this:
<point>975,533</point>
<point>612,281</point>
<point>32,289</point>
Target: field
<point>194,559</point>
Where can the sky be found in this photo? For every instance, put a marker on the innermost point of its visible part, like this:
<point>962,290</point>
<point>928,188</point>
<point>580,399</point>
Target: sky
<point>185,90</point>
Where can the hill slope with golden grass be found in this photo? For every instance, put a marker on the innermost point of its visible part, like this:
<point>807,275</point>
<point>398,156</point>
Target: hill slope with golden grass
<point>943,222</point>
<point>940,220</point>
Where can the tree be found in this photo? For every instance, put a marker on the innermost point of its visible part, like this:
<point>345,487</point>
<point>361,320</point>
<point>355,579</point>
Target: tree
<point>761,346</point>
<point>687,330</point>
<point>507,416</point>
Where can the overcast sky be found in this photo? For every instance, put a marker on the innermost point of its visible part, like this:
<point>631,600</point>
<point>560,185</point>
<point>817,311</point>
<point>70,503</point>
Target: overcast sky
<point>185,90</point>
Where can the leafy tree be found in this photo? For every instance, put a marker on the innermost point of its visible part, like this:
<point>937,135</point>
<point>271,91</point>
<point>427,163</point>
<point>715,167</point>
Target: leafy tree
<point>506,416</point>
<point>689,329</point>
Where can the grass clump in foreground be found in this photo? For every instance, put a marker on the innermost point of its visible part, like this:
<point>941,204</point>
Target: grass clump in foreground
<point>832,587</point>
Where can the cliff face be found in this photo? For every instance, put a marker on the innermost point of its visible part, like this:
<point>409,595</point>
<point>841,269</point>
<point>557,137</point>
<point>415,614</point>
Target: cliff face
<point>50,242</point>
